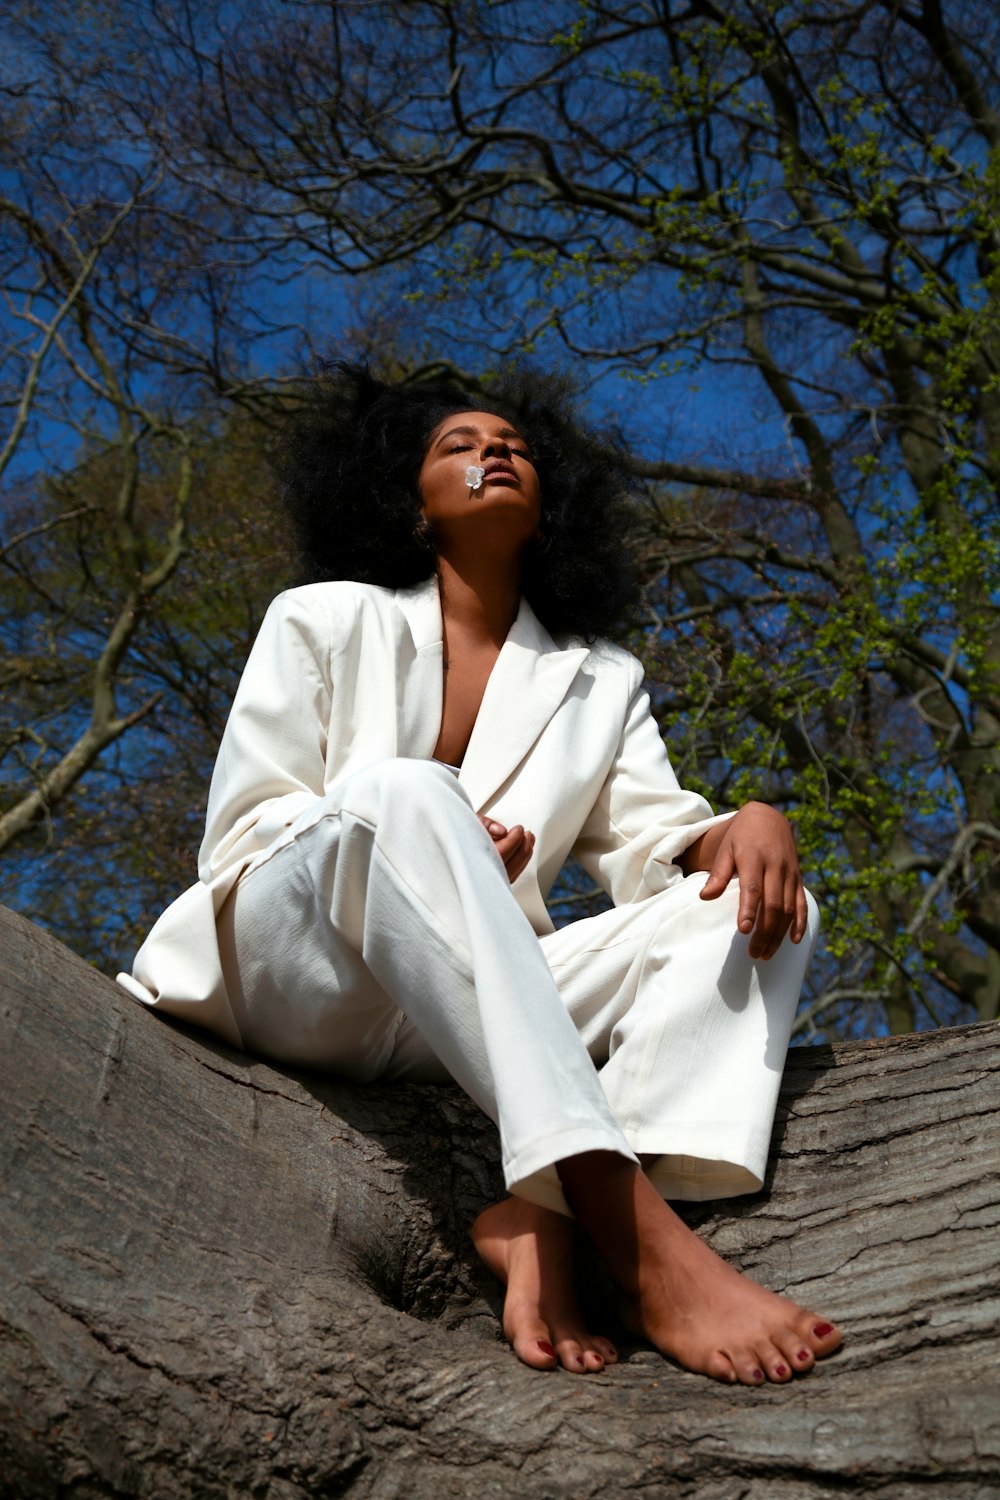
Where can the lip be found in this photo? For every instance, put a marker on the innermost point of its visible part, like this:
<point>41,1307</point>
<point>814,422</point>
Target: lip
<point>499,468</point>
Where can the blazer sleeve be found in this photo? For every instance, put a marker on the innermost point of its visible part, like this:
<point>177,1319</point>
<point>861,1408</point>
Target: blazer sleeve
<point>272,758</point>
<point>643,819</point>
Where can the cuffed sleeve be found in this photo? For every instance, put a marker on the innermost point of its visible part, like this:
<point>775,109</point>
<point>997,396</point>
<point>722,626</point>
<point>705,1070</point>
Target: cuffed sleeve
<point>643,819</point>
<point>271,761</point>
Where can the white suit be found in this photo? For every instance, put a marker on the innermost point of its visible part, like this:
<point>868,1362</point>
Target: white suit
<point>352,912</point>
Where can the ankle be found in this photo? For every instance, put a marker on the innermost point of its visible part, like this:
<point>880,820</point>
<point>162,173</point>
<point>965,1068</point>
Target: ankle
<point>597,1176</point>
<point>605,1191</point>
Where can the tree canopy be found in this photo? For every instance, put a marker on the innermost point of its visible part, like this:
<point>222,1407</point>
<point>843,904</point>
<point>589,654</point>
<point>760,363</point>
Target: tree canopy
<point>766,239</point>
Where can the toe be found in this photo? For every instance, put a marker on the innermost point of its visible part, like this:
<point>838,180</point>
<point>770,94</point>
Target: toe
<point>720,1367</point>
<point>822,1337</point>
<point>606,1350</point>
<point>575,1358</point>
<point>750,1373</point>
<point>794,1349</point>
<point>776,1366</point>
<point>748,1367</point>
<point>534,1349</point>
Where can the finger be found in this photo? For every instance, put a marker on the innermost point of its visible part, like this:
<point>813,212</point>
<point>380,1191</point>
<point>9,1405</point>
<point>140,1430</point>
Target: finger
<point>751,893</point>
<point>770,914</point>
<point>518,854</point>
<point>505,847</point>
<point>777,911</point>
<point>801,923</point>
<point>510,843</point>
<point>720,874</point>
<point>493,828</point>
<point>520,860</point>
<point>524,851</point>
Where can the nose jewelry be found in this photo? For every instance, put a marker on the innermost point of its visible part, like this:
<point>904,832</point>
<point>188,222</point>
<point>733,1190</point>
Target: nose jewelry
<point>474,476</point>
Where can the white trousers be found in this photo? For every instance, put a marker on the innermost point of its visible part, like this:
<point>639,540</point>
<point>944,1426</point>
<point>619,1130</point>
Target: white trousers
<point>380,939</point>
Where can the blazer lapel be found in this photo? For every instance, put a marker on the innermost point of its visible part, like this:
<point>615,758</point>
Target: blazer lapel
<point>531,678</point>
<point>419,680</point>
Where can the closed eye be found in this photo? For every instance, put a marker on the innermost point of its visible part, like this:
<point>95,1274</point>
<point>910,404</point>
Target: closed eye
<point>464,448</point>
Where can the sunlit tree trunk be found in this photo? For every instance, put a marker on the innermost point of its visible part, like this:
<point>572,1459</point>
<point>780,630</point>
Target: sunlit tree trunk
<point>219,1278</point>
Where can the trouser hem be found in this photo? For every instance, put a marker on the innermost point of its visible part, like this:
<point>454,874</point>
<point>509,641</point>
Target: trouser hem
<point>532,1173</point>
<point>702,1160</point>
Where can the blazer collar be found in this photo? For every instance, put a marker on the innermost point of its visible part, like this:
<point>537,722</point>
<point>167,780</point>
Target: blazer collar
<point>531,678</point>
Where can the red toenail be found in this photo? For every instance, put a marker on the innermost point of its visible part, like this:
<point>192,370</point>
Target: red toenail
<point>546,1348</point>
<point>781,1371</point>
<point>822,1330</point>
<point>756,1374</point>
<point>802,1354</point>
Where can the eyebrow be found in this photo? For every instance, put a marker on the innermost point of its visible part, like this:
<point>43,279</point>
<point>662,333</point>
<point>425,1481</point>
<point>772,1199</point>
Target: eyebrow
<point>505,432</point>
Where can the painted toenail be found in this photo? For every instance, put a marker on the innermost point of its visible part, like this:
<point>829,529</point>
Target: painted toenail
<point>546,1348</point>
<point>781,1371</point>
<point>757,1375</point>
<point>823,1330</point>
<point>802,1354</point>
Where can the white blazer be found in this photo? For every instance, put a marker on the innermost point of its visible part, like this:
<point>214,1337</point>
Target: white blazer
<point>343,675</point>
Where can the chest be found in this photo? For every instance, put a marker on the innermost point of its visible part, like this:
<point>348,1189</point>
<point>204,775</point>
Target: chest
<point>464,680</point>
<point>532,727</point>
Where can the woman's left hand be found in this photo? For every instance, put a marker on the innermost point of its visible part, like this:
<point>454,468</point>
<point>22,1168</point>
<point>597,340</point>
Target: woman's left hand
<point>758,848</point>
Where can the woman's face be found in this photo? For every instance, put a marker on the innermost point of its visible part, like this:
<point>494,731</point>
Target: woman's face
<point>509,498</point>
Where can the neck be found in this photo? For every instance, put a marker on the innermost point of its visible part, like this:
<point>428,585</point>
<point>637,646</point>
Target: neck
<point>479,600</point>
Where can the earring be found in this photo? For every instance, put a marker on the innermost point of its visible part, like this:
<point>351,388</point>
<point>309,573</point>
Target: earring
<point>422,533</point>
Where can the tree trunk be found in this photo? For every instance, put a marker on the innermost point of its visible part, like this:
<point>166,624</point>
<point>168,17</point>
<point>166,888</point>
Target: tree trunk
<point>222,1279</point>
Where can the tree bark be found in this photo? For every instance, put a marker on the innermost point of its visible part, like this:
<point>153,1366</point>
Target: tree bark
<point>219,1278</point>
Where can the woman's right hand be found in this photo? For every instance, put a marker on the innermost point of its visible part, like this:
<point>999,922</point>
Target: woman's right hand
<point>514,845</point>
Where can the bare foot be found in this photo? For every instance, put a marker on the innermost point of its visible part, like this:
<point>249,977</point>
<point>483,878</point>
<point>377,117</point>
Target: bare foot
<point>688,1302</point>
<point>530,1250</point>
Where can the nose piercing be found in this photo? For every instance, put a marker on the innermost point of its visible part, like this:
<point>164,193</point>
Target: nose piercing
<point>474,476</point>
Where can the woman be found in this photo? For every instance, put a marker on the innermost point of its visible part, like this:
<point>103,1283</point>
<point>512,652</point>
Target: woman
<point>410,758</point>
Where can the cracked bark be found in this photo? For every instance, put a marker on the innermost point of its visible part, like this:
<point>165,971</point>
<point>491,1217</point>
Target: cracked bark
<point>219,1278</point>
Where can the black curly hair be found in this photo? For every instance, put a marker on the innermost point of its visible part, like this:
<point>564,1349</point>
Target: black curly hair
<point>349,461</point>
